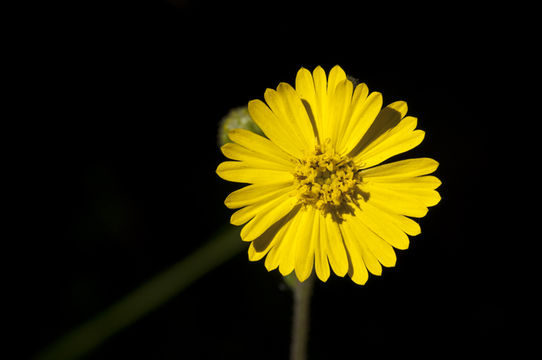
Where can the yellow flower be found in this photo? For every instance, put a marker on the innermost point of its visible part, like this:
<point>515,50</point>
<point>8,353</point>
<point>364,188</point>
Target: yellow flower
<point>317,196</point>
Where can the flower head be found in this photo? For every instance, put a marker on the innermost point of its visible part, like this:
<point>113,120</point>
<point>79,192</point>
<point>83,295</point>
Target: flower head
<point>318,197</point>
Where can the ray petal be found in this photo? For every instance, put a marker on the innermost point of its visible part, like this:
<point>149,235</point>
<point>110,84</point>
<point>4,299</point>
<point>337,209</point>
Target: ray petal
<point>277,130</point>
<point>377,221</point>
<point>286,251</point>
<point>358,269</point>
<point>321,102</point>
<point>295,112</point>
<point>260,145</point>
<point>272,260</point>
<point>239,171</point>
<point>304,86</point>
<point>363,113</point>
<point>339,104</point>
<point>237,152</point>
<point>336,250</point>
<point>395,141</point>
<point>269,239</point>
<point>321,263</point>
<point>401,169</point>
<point>255,193</point>
<point>306,236</point>
<point>269,215</point>
<point>377,234</point>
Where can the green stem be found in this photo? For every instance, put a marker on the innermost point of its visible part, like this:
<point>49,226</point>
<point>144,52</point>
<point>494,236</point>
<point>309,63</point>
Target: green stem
<point>146,298</point>
<point>301,316</point>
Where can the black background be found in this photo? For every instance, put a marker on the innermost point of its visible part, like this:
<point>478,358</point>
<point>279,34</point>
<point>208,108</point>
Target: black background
<point>126,102</point>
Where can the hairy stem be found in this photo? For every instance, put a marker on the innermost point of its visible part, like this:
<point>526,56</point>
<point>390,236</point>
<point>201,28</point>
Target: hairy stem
<point>146,298</point>
<point>301,316</point>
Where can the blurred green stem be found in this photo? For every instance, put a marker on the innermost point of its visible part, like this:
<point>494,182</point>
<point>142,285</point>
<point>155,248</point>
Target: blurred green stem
<point>300,324</point>
<point>146,298</point>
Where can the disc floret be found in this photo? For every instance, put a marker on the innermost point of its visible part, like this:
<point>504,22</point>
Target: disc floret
<point>327,181</point>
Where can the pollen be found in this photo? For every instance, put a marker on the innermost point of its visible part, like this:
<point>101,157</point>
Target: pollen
<point>327,181</point>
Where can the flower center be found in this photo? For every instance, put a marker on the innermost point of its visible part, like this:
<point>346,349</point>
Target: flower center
<point>328,181</point>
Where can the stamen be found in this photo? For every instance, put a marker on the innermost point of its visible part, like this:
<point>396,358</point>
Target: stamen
<point>327,181</point>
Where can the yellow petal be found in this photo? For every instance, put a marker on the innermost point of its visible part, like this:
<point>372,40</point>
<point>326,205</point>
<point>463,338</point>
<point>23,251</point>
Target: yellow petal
<point>269,239</point>
<point>269,215</point>
<point>257,252</point>
<point>319,108</point>
<point>274,129</point>
<point>362,114</point>
<point>397,140</point>
<point>304,86</point>
<point>378,233</point>
<point>255,193</point>
<point>422,187</point>
<point>336,76</point>
<point>336,251</point>
<point>339,92</point>
<point>364,239</point>
<point>400,169</point>
<point>238,171</point>
<point>287,247</point>
<point>307,235</point>
<point>379,223</point>
<point>358,270</point>
<point>290,107</point>
<point>401,188</point>
<point>400,106</point>
<point>321,265</point>
<point>339,103</point>
<point>360,95</point>
<point>407,225</point>
<point>245,214</point>
<point>260,145</point>
<point>386,119</point>
<point>393,201</point>
<point>419,182</point>
<point>272,260</point>
<point>291,119</point>
<point>248,212</point>
<point>237,152</point>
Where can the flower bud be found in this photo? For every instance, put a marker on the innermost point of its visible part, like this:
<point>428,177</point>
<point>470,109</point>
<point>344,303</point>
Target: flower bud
<point>237,118</point>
